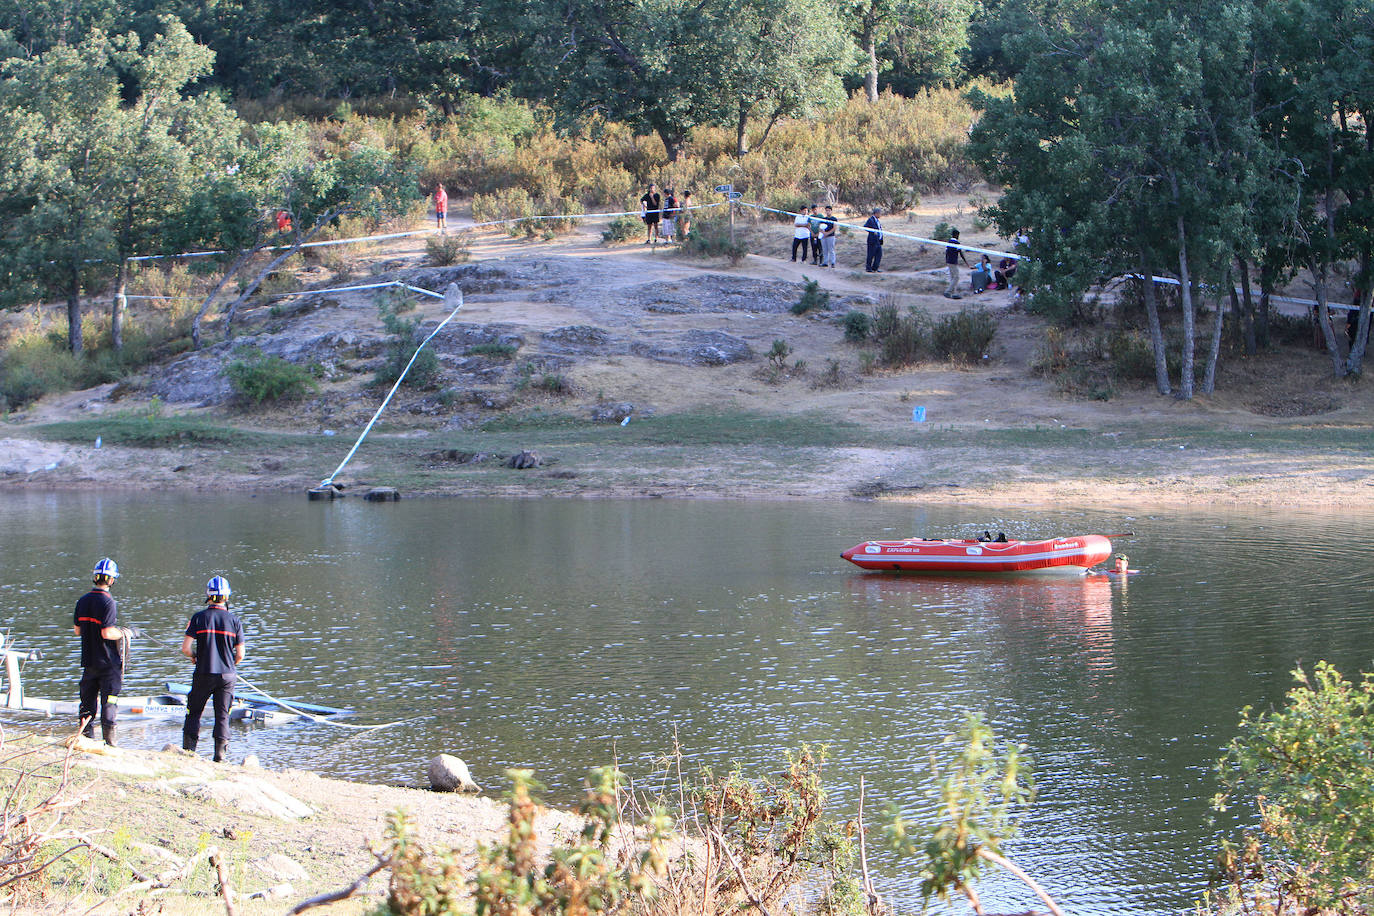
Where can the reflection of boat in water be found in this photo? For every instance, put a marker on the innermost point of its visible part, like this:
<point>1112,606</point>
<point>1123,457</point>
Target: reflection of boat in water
<point>1067,555</point>
<point>170,706</point>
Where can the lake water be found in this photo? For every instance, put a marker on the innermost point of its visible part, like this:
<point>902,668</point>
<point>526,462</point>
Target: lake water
<point>557,635</point>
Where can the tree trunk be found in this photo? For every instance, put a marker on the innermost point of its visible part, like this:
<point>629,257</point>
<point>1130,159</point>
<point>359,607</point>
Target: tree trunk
<point>74,321</point>
<point>1209,375</point>
<point>300,241</point>
<point>205,304</point>
<point>869,44</point>
<point>1329,340</point>
<point>118,306</point>
<point>1152,319</point>
<point>1359,345</point>
<point>74,310</point>
<point>1262,317</point>
<point>672,143</point>
<point>742,133</point>
<point>1251,342</point>
<point>1185,287</point>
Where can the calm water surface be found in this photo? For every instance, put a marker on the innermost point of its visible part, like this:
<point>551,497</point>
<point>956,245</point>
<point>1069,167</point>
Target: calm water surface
<point>556,634</point>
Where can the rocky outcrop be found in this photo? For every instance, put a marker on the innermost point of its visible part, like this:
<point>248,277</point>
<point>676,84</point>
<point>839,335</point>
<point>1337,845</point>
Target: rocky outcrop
<point>697,348</point>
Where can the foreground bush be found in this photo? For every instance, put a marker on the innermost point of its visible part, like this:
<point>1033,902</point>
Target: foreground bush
<point>1309,767</point>
<point>258,379</point>
<point>710,238</point>
<point>964,336</point>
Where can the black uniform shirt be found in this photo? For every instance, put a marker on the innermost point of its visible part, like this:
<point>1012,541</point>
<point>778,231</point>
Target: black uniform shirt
<point>217,633</point>
<point>94,612</point>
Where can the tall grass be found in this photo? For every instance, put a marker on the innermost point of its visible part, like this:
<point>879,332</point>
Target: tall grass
<point>864,154</point>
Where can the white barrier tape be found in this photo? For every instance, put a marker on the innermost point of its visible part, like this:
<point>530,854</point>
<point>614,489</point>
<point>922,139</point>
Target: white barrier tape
<point>898,235</point>
<point>1291,300</point>
<point>370,423</point>
<point>414,232</point>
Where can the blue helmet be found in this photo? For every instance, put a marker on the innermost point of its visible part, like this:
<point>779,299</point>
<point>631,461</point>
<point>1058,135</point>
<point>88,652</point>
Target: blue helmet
<point>218,587</point>
<point>106,567</point>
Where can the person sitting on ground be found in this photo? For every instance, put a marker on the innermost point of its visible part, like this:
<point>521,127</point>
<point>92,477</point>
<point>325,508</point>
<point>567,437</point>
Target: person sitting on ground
<point>981,276</point>
<point>1006,269</point>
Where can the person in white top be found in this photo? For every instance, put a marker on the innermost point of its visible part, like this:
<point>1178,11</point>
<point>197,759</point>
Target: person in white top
<point>801,234</point>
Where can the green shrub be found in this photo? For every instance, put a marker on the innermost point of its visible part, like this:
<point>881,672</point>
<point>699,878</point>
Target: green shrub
<point>813,297</point>
<point>710,238</point>
<point>942,230</point>
<point>623,229</point>
<point>493,349</point>
<point>443,250</point>
<point>259,379</point>
<point>886,320</point>
<point>554,383</point>
<point>406,336</point>
<point>857,326</point>
<point>778,355</point>
<point>1309,766</point>
<point>909,340</point>
<point>963,336</point>
<point>1132,356</point>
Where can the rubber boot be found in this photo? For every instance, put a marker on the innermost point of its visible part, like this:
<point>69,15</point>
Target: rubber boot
<point>108,733</point>
<point>188,744</point>
<point>221,751</point>
<point>89,730</point>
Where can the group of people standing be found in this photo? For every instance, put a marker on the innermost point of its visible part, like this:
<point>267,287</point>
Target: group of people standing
<point>814,234</point>
<point>213,640</point>
<point>667,218</point>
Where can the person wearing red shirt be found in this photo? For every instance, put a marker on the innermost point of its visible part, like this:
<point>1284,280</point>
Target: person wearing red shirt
<point>441,206</point>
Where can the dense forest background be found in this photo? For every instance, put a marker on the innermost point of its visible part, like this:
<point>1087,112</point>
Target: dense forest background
<point>1222,145</point>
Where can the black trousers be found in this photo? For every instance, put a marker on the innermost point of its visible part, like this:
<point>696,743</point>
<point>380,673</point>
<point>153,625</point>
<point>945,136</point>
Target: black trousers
<point>204,686</point>
<point>875,254</point>
<point>805,247</point>
<point>98,685</point>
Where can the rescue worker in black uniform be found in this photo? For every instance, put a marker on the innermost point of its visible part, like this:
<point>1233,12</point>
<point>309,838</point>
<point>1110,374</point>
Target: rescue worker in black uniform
<point>102,668</point>
<point>214,641</point>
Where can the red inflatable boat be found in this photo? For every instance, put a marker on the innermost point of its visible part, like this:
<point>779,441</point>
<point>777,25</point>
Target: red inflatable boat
<point>1072,555</point>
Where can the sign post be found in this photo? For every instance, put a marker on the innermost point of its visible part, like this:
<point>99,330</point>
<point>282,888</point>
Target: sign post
<point>729,191</point>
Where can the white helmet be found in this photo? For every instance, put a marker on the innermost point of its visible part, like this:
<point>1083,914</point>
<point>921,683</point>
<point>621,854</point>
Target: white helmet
<point>218,587</point>
<point>107,568</point>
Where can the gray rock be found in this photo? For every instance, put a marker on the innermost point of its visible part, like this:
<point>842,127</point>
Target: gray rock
<point>582,339</point>
<point>382,495</point>
<point>613,413</point>
<point>525,460</point>
<point>698,348</point>
<point>450,774</point>
<point>279,867</point>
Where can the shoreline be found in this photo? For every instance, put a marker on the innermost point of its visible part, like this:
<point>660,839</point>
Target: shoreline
<point>948,474</point>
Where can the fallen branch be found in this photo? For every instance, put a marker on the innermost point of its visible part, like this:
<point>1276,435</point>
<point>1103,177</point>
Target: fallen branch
<point>743,878</point>
<point>335,896</point>
<point>225,890</point>
<point>870,895</point>
<point>39,869</point>
<point>985,853</point>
